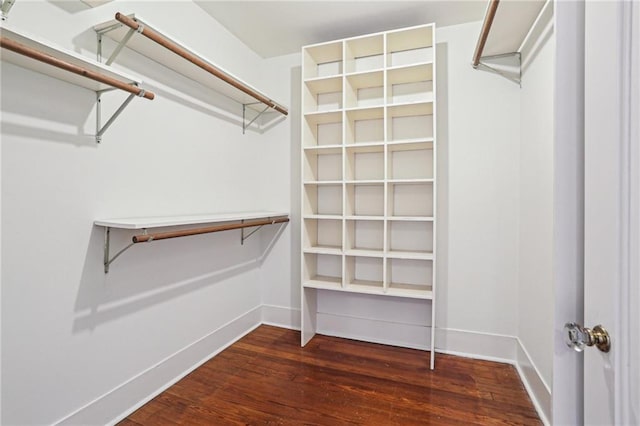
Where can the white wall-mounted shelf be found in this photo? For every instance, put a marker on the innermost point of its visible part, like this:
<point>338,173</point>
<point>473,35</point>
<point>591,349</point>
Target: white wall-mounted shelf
<point>33,53</point>
<point>368,169</point>
<point>137,34</point>
<point>220,222</point>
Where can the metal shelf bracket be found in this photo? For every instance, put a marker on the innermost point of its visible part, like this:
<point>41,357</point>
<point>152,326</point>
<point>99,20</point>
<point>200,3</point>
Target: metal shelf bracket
<point>244,237</point>
<point>246,125</point>
<point>507,65</point>
<point>5,7</point>
<point>100,129</point>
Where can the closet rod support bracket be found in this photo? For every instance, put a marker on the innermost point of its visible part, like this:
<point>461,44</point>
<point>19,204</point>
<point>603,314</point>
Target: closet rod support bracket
<point>246,125</point>
<point>100,129</point>
<point>5,7</point>
<point>486,64</point>
<point>244,237</point>
<point>107,245</point>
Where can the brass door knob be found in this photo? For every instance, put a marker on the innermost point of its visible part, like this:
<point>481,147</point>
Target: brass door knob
<point>578,337</point>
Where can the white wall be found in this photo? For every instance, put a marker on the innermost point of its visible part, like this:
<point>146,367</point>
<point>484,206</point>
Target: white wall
<point>74,338</point>
<point>479,127</point>
<point>535,292</point>
<point>280,272</point>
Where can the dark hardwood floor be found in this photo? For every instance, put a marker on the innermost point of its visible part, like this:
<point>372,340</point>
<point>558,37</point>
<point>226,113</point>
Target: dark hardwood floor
<point>266,378</point>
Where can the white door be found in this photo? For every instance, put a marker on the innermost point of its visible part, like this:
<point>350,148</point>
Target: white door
<point>601,388</point>
<point>612,191</point>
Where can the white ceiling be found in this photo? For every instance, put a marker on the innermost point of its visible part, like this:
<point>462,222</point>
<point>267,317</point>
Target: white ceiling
<point>274,28</point>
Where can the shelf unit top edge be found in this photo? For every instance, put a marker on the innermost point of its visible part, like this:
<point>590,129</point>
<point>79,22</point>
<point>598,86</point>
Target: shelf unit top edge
<point>341,40</point>
<point>164,221</point>
<point>110,29</point>
<point>52,49</point>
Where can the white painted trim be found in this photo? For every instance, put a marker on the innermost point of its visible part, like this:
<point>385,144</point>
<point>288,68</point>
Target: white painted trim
<point>281,316</point>
<point>140,389</point>
<point>539,391</point>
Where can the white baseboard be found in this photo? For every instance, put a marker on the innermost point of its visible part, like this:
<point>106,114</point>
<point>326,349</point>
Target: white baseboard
<point>537,388</point>
<point>281,316</point>
<point>136,392</point>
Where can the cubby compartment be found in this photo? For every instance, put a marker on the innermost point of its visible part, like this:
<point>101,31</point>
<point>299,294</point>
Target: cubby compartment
<point>364,125</point>
<point>322,164</point>
<point>323,60</point>
<point>409,277</point>
<point>365,162</point>
<point>322,95</point>
<point>364,274</point>
<point>410,239</point>
<point>322,200</point>
<point>364,54</point>
<point>322,129</point>
<point>322,236</point>
<point>410,200</point>
<point>410,46</point>
<point>364,90</point>
<point>322,271</point>
<point>364,237</point>
<point>410,84</point>
<point>365,199</point>
<point>407,161</point>
<point>410,122</point>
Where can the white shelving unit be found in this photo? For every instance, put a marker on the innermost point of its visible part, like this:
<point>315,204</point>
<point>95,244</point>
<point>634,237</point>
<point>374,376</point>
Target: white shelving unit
<point>39,55</point>
<point>139,35</point>
<point>368,168</point>
<point>188,225</point>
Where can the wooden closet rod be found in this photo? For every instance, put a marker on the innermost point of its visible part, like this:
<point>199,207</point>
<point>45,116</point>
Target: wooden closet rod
<point>14,46</point>
<point>187,232</point>
<point>484,33</point>
<point>158,38</point>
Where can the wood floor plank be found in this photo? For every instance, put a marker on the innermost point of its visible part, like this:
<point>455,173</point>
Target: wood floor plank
<point>267,378</point>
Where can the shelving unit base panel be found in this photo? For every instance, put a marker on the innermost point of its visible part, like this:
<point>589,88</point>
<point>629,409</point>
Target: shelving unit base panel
<point>375,288</point>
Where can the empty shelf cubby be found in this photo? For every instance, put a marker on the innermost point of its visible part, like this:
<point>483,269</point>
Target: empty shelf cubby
<point>322,271</point>
<point>364,89</point>
<point>322,235</point>
<point>322,200</point>
<point>410,84</point>
<point>323,95</point>
<point>365,237</point>
<point>322,129</point>
<point>365,162</point>
<point>365,199</point>
<point>364,54</point>
<point>364,273</point>
<point>323,60</point>
<point>322,165</point>
<point>409,277</point>
<point>410,200</point>
<point>364,125</point>
<point>410,238</point>
<point>410,122</point>
<point>410,161</point>
<point>410,46</point>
